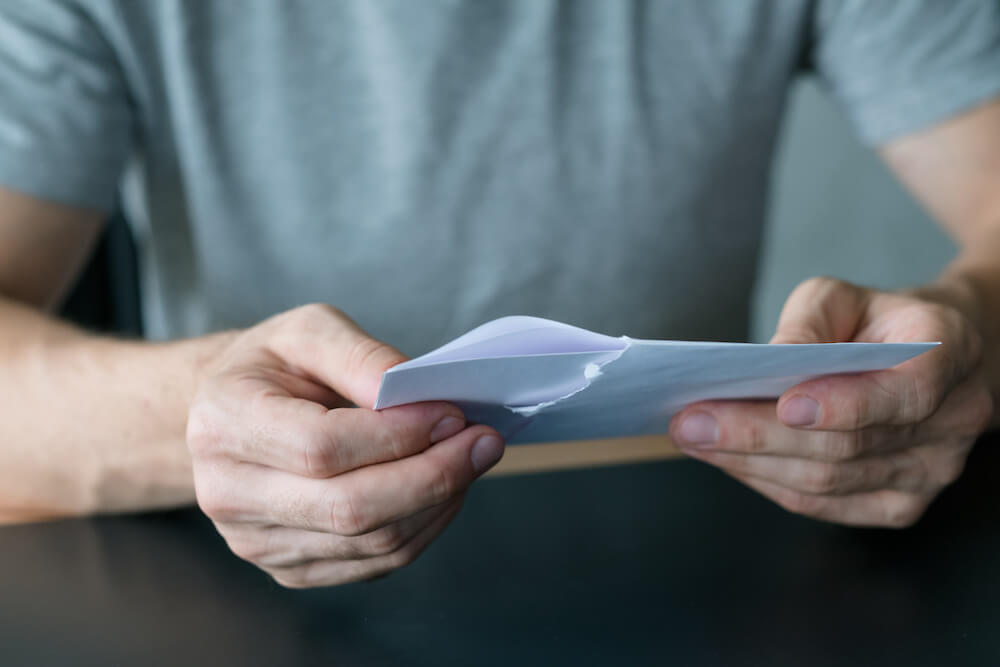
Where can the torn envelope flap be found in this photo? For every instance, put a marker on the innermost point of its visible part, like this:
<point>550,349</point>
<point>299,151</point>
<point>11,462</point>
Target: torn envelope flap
<point>526,380</point>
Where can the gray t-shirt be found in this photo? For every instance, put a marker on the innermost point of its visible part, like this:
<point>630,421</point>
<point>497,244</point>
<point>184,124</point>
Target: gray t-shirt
<point>429,165</point>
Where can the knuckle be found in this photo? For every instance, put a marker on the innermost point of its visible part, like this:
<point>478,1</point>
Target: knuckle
<point>320,573</point>
<point>821,477</point>
<point>203,433</point>
<point>820,284</point>
<point>352,571</point>
<point>249,550</point>
<point>312,313</point>
<point>798,503</point>
<point>443,485</point>
<point>344,517</point>
<point>361,353</point>
<point>923,399</point>
<point>216,504</point>
<point>952,467</point>
<point>311,319</point>
<point>902,513</point>
<point>399,443</point>
<point>855,445</point>
<point>402,557</point>
<point>840,447</point>
<point>319,453</point>
<point>754,437</point>
<point>214,509</point>
<point>861,411</point>
<point>293,578</point>
<point>384,541</point>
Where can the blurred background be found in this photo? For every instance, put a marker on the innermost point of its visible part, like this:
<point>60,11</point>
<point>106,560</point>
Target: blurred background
<point>835,210</point>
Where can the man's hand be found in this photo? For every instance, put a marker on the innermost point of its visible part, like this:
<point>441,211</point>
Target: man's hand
<point>867,449</point>
<point>308,488</point>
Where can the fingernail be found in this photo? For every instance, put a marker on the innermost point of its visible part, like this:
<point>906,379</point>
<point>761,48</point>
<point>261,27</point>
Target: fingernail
<point>446,428</point>
<point>799,411</point>
<point>486,452</point>
<point>699,429</point>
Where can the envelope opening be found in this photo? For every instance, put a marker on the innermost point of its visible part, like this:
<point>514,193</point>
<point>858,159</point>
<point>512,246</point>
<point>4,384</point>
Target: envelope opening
<point>519,336</point>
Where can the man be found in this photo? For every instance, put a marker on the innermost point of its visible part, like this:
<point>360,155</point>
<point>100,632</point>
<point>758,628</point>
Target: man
<point>428,166</point>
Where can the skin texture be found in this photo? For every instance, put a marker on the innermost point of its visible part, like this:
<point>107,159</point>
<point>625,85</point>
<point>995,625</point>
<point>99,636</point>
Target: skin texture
<point>876,448</point>
<point>260,426</point>
<point>312,490</point>
<point>78,433</point>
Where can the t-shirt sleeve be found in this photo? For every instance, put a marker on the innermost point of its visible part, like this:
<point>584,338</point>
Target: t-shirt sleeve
<point>66,119</point>
<point>901,66</point>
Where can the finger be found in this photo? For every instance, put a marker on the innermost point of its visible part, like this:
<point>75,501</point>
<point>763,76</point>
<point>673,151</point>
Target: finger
<point>334,572</point>
<point>901,471</point>
<point>283,547</point>
<point>321,342</point>
<point>355,502</point>
<point>752,427</point>
<point>821,310</point>
<point>908,393</point>
<point>374,496</point>
<point>891,509</point>
<point>305,438</point>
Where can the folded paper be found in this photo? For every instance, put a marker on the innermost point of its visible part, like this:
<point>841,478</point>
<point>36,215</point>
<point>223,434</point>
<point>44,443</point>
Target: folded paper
<point>537,380</point>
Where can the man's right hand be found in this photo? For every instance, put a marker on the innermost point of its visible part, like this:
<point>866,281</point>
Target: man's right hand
<point>305,486</point>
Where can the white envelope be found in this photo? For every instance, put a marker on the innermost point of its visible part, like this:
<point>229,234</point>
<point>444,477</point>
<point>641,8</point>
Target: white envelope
<point>537,380</point>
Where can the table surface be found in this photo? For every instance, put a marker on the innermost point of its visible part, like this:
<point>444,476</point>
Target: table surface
<point>660,563</point>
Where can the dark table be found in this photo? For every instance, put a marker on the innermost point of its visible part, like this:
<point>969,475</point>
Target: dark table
<point>662,563</point>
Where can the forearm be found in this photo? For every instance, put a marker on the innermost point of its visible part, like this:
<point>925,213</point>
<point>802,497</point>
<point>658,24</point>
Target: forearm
<point>92,424</point>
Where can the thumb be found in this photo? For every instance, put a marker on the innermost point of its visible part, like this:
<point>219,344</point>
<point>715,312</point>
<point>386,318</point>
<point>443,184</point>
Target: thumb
<point>822,310</point>
<point>322,342</point>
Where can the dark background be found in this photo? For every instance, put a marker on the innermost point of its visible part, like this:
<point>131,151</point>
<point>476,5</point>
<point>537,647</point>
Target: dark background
<point>106,296</point>
<point>679,565</point>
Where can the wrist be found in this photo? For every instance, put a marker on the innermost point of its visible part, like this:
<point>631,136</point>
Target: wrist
<point>137,454</point>
<point>973,289</point>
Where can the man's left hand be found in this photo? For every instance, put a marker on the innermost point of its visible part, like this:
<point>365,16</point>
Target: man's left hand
<point>866,449</point>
